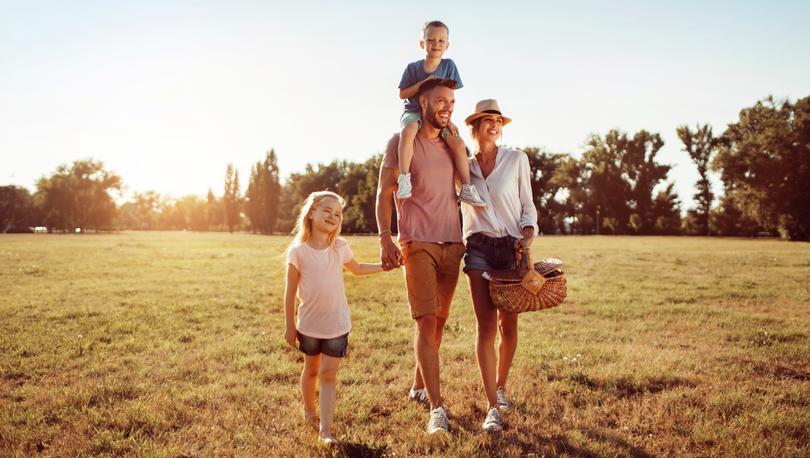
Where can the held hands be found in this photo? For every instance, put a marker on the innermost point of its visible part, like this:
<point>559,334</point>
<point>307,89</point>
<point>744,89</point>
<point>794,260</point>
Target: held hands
<point>390,256</point>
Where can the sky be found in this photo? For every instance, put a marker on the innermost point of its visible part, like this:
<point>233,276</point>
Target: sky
<point>166,94</point>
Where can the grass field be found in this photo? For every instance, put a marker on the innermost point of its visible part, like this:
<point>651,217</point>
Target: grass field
<point>170,344</point>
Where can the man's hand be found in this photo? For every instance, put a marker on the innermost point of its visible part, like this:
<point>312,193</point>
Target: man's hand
<point>290,335</point>
<point>390,256</point>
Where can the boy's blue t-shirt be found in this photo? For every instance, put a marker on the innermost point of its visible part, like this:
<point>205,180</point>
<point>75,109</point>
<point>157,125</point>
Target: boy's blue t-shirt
<point>415,72</point>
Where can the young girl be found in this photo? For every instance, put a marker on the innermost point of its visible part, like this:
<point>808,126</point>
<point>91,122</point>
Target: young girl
<point>315,261</point>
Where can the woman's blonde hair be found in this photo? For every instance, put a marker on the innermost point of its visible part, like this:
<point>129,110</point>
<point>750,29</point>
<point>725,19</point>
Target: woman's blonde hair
<point>303,226</point>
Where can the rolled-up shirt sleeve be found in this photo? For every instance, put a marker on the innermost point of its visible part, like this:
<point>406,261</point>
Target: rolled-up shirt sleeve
<point>528,213</point>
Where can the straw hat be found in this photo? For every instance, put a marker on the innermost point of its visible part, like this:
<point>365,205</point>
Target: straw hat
<point>485,107</point>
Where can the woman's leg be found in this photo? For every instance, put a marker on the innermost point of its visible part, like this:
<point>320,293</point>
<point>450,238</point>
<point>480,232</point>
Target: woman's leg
<point>309,380</point>
<point>327,376</point>
<point>486,315</point>
<point>507,325</point>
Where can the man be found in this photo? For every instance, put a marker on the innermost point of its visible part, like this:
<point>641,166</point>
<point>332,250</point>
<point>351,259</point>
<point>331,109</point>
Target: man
<point>430,237</point>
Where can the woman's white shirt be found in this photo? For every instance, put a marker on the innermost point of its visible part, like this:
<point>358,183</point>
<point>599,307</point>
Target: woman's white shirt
<point>508,194</point>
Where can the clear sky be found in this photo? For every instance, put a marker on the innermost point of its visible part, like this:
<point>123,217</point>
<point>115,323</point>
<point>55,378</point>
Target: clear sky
<point>166,94</point>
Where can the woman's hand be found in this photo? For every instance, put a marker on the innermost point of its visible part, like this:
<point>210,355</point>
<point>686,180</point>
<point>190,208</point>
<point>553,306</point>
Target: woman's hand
<point>523,246</point>
<point>290,335</point>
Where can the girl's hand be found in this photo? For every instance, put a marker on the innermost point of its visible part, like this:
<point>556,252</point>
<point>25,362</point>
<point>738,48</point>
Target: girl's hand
<point>290,335</point>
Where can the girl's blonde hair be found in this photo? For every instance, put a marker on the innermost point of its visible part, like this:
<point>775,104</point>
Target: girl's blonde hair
<point>303,226</point>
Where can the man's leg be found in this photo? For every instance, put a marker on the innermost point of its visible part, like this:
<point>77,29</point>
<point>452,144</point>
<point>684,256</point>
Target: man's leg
<point>427,357</point>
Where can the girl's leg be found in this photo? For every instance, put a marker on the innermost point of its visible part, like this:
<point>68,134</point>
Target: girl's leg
<point>405,151</point>
<point>507,324</point>
<point>328,380</point>
<point>486,315</point>
<point>309,381</point>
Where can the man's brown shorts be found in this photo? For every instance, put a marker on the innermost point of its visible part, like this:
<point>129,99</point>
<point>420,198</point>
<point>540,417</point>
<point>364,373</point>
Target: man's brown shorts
<point>431,274</point>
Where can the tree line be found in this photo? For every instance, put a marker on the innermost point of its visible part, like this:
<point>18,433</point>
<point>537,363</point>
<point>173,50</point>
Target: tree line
<point>617,186</point>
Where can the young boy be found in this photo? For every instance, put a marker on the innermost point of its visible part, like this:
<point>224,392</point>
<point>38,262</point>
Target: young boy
<point>435,42</point>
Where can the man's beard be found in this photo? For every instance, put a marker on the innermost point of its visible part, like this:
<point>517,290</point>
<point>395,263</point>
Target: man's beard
<point>430,116</point>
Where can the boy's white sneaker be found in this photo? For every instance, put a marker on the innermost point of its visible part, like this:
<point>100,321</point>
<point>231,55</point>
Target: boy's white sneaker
<point>493,420</point>
<point>503,403</point>
<point>404,189</point>
<point>469,195</point>
<point>438,421</point>
<point>420,396</point>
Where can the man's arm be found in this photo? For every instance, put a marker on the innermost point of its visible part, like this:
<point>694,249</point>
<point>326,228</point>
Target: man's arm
<point>390,256</point>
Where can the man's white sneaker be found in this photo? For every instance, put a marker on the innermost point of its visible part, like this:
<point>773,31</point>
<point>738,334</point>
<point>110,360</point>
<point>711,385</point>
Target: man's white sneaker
<point>419,396</point>
<point>438,421</point>
<point>404,189</point>
<point>469,195</point>
<point>493,420</point>
<point>328,441</point>
<point>503,403</point>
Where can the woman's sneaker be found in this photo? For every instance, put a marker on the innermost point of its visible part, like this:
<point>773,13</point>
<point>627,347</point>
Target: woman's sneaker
<point>503,403</point>
<point>438,421</point>
<point>419,396</point>
<point>404,188</point>
<point>469,195</point>
<point>493,420</point>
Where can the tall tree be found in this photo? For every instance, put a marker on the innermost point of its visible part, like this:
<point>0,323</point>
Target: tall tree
<point>608,191</point>
<point>544,168</point>
<point>263,193</point>
<point>765,160</point>
<point>78,196</point>
<point>700,144</point>
<point>643,173</point>
<point>666,210</point>
<point>16,208</point>
<point>231,198</point>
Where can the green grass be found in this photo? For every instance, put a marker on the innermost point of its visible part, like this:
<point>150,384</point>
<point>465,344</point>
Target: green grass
<point>170,344</point>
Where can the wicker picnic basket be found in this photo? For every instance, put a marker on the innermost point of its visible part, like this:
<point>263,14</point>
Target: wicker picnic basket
<point>527,290</point>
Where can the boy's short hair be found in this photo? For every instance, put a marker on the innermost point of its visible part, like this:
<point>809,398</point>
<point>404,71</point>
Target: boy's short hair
<point>430,24</point>
<point>428,86</point>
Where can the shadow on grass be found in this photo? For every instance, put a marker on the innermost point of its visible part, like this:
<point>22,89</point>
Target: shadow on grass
<point>358,450</point>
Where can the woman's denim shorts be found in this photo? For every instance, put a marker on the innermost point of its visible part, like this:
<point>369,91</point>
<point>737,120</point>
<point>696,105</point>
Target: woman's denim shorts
<point>489,253</point>
<point>336,347</point>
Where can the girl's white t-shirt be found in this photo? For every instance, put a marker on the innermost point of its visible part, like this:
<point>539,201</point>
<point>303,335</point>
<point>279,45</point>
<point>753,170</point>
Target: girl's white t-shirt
<point>324,310</point>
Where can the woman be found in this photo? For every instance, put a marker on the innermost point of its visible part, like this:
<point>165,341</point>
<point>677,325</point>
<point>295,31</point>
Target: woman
<point>493,234</point>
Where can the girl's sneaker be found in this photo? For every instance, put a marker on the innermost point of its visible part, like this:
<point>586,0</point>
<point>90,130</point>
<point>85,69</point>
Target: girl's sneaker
<point>419,396</point>
<point>503,403</point>
<point>328,441</point>
<point>469,195</point>
<point>493,420</point>
<point>404,189</point>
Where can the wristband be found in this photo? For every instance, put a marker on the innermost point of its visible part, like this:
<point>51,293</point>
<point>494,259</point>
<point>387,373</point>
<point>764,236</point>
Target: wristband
<point>384,232</point>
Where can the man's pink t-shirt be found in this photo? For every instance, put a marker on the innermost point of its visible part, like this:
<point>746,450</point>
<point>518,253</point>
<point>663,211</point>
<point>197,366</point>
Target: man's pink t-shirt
<point>324,310</point>
<point>431,214</point>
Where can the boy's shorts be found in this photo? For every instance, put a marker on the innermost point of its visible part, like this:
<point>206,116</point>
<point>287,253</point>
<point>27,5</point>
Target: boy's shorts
<point>409,117</point>
<point>336,347</point>
<point>431,275</point>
